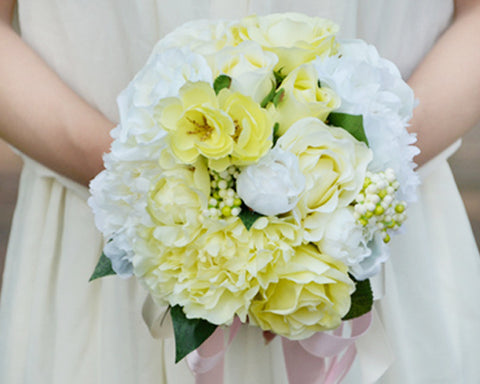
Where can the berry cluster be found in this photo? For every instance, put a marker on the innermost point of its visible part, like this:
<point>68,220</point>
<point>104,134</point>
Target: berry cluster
<point>376,206</point>
<point>224,200</point>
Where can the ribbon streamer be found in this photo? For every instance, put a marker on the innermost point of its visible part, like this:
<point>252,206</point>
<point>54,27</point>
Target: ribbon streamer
<point>207,361</point>
<point>323,358</point>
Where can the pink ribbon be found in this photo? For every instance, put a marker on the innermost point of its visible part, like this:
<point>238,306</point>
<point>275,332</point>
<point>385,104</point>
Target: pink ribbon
<point>323,358</point>
<point>207,361</point>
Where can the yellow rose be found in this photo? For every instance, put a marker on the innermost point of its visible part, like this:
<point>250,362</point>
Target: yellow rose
<point>249,67</point>
<point>311,293</point>
<point>303,98</point>
<point>253,127</point>
<point>295,38</point>
<point>176,202</point>
<point>334,164</point>
<point>195,123</point>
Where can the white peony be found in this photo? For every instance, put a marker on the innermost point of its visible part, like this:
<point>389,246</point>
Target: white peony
<point>273,185</point>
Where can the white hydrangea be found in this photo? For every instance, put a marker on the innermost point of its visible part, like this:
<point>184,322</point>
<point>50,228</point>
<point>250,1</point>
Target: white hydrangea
<point>372,86</point>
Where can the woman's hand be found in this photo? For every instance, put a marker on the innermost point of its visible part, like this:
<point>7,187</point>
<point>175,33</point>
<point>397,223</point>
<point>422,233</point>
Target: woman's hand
<point>447,83</point>
<point>41,116</point>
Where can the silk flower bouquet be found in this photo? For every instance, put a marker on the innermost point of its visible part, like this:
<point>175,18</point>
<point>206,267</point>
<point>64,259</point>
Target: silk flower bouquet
<point>257,173</point>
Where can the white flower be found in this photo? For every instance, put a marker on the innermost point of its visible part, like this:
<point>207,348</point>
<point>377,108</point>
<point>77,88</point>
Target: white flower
<point>394,148</point>
<point>344,239</point>
<point>273,185</point>
<point>119,197</point>
<point>165,73</point>
<point>370,265</point>
<point>249,66</point>
<point>120,253</point>
<point>202,36</point>
<point>334,164</point>
<point>372,86</point>
<point>139,136</point>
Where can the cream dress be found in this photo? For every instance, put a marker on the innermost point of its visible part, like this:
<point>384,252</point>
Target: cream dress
<point>56,328</point>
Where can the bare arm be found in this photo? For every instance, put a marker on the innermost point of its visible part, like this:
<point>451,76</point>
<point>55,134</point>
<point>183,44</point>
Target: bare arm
<point>43,117</point>
<point>447,83</point>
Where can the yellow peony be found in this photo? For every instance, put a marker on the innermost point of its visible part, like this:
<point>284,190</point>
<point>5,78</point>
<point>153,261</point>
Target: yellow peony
<point>195,124</point>
<point>295,38</point>
<point>303,98</point>
<point>309,294</point>
<point>334,164</point>
<point>253,127</point>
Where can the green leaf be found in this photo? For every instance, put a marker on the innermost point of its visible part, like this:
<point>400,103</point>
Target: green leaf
<point>189,333</point>
<point>362,299</point>
<point>278,97</point>
<point>248,216</point>
<point>267,99</point>
<point>279,76</point>
<point>222,81</point>
<point>103,268</point>
<point>351,123</point>
<point>276,128</point>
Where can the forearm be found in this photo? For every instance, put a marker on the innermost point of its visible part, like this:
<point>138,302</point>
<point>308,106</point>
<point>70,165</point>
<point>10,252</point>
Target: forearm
<point>447,84</point>
<point>43,117</point>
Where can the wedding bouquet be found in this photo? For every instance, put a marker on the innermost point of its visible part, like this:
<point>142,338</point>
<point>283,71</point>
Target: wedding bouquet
<point>258,171</point>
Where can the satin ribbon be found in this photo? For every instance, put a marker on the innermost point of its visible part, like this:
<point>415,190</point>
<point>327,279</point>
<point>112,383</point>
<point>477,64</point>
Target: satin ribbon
<point>323,358</point>
<point>207,361</point>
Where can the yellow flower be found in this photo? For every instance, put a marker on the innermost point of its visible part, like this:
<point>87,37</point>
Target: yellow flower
<point>219,272</point>
<point>176,202</point>
<point>303,98</point>
<point>253,127</point>
<point>295,38</point>
<point>211,277</point>
<point>309,294</point>
<point>250,68</point>
<point>334,164</point>
<point>196,124</point>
